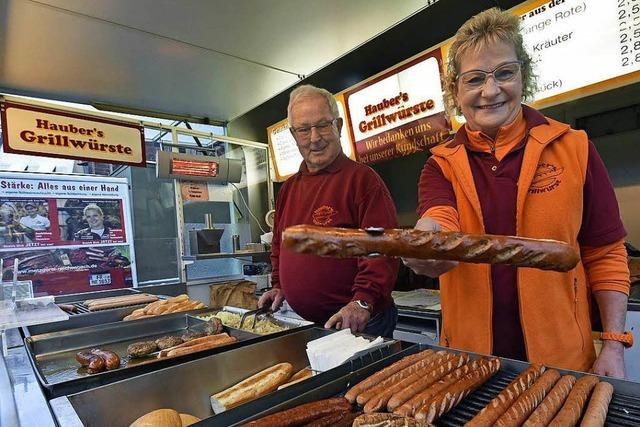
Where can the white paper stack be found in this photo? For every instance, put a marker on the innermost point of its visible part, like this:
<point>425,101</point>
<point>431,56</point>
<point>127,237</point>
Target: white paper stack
<point>330,351</point>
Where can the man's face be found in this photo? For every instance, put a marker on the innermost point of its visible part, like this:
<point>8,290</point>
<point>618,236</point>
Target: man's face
<point>321,146</point>
<point>94,219</point>
<point>31,211</point>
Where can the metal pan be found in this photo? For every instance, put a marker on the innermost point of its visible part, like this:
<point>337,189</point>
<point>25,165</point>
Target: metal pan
<point>188,387</point>
<point>624,409</point>
<point>84,317</point>
<point>286,323</point>
<point>53,355</point>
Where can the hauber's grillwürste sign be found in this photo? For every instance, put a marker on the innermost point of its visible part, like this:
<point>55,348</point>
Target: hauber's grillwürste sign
<point>52,132</point>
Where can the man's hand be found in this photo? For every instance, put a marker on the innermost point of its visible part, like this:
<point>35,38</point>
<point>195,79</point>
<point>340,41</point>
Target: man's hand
<point>611,360</point>
<point>351,316</point>
<point>428,267</point>
<point>274,297</point>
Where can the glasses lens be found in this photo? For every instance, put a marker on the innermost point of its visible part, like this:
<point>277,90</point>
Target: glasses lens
<point>473,79</point>
<point>507,72</point>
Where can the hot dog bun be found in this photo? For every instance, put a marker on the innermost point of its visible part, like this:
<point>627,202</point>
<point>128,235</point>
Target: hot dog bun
<point>253,387</point>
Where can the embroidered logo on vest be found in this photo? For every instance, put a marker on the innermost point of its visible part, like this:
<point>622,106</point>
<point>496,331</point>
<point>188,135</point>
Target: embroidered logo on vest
<point>547,178</point>
<point>323,215</point>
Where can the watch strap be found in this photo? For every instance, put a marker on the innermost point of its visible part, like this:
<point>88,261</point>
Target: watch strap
<point>626,338</point>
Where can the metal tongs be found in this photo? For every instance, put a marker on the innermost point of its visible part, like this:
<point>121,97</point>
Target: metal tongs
<point>255,314</point>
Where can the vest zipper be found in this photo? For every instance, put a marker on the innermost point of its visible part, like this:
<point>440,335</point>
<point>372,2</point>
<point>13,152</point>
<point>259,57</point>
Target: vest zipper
<point>575,310</point>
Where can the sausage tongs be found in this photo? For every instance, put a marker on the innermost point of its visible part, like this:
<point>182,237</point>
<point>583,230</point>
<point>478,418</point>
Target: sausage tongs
<point>255,314</point>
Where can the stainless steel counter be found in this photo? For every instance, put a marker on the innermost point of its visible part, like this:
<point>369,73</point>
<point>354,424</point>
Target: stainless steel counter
<point>22,402</point>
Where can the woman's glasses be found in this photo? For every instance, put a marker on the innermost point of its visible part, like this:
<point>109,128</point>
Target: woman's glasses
<point>477,78</point>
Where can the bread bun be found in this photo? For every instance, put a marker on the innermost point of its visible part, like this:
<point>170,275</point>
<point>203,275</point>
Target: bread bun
<point>159,418</point>
<point>187,419</point>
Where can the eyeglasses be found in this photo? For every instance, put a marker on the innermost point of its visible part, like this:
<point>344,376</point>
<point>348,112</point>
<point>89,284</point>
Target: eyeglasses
<point>477,78</point>
<point>323,128</point>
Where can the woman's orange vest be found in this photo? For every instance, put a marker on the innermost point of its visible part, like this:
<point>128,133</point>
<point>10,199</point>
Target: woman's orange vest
<point>554,307</point>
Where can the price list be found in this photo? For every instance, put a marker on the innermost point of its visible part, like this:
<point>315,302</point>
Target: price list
<point>577,43</point>
<point>629,31</point>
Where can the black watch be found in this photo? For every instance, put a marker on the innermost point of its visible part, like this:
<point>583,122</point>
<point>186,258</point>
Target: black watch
<point>363,304</point>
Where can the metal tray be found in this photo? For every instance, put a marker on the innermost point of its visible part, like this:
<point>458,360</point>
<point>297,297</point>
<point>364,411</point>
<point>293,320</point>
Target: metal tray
<point>53,355</point>
<point>85,317</point>
<point>624,409</point>
<point>187,387</point>
<point>286,322</point>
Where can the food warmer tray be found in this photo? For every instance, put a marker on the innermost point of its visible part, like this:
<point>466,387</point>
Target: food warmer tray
<point>287,322</point>
<point>624,409</point>
<point>84,317</point>
<point>187,387</point>
<point>53,355</point>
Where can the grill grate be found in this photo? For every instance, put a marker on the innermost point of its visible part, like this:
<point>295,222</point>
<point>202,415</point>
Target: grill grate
<point>623,410</point>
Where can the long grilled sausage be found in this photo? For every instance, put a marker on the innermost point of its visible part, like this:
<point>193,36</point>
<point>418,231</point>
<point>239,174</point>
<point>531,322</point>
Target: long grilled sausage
<point>551,404</point>
<point>598,407</point>
<point>575,403</point>
<point>374,379</point>
<point>111,359</point>
<point>303,413</point>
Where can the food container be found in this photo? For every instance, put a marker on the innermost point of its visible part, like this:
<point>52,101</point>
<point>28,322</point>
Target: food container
<point>187,387</point>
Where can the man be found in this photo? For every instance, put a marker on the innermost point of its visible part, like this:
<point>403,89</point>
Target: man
<point>331,190</point>
<point>97,230</point>
<point>33,220</point>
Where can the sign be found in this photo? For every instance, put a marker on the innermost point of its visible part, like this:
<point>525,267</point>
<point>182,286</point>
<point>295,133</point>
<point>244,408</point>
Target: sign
<point>51,132</point>
<point>196,191</point>
<point>69,234</point>
<point>579,44</point>
<point>399,112</point>
<point>284,150</point>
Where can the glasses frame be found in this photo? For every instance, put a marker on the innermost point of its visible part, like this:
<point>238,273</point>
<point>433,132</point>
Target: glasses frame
<point>322,128</point>
<point>487,74</point>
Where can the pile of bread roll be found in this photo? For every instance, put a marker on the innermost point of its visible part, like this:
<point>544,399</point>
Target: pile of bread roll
<point>167,306</point>
<point>165,418</point>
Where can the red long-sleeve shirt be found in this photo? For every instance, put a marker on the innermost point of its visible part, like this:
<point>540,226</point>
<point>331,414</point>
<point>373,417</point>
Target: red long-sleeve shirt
<point>344,194</point>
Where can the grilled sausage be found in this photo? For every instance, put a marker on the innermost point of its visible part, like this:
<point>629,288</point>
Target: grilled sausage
<point>551,404</point>
<point>303,413</point>
<point>598,405</point>
<point>374,379</point>
<point>111,359</point>
<point>574,405</point>
<point>490,413</point>
<point>92,362</point>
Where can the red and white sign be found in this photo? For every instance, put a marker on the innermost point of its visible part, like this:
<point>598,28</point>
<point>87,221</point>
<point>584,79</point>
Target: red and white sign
<point>400,112</point>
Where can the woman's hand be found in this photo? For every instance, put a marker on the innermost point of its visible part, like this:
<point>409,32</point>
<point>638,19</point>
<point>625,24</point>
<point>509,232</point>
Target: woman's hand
<point>429,267</point>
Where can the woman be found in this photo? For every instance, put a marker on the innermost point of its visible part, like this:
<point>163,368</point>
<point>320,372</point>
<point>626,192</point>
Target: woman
<point>97,229</point>
<point>509,170</point>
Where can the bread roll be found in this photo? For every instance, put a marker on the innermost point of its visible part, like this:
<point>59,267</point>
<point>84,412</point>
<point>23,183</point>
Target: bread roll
<point>159,418</point>
<point>253,387</point>
<point>187,419</point>
<point>443,245</point>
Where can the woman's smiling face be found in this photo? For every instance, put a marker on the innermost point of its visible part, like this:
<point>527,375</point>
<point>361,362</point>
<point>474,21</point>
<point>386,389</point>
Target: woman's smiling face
<point>492,105</point>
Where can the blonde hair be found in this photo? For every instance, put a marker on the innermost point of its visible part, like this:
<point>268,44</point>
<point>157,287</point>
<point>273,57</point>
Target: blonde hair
<point>310,91</point>
<point>90,207</point>
<point>490,26</point>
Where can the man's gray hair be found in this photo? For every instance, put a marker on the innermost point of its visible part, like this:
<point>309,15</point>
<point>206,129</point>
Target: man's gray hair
<point>310,91</point>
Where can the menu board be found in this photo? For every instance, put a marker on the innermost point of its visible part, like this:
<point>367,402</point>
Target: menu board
<point>578,43</point>
<point>69,234</point>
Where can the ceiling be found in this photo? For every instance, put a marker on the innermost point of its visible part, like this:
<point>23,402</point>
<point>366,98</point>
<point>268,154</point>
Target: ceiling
<point>203,58</point>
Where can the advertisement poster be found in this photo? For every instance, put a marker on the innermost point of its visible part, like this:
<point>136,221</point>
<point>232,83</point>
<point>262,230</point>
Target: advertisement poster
<point>400,112</point>
<point>69,234</point>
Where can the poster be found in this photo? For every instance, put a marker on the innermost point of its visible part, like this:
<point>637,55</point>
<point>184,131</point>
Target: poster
<point>70,234</point>
<point>400,112</point>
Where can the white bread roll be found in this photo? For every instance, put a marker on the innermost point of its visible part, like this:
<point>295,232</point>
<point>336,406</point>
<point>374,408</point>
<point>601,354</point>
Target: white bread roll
<point>253,387</point>
<point>159,418</point>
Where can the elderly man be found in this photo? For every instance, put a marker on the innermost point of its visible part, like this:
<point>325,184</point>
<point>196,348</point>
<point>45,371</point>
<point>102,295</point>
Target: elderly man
<point>331,190</point>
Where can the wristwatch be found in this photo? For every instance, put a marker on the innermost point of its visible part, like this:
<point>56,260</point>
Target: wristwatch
<point>363,304</point>
<point>626,338</point>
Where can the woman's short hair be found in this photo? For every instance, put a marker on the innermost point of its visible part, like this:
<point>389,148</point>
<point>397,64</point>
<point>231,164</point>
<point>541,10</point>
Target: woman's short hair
<point>90,207</point>
<point>308,91</point>
<point>490,26</point>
